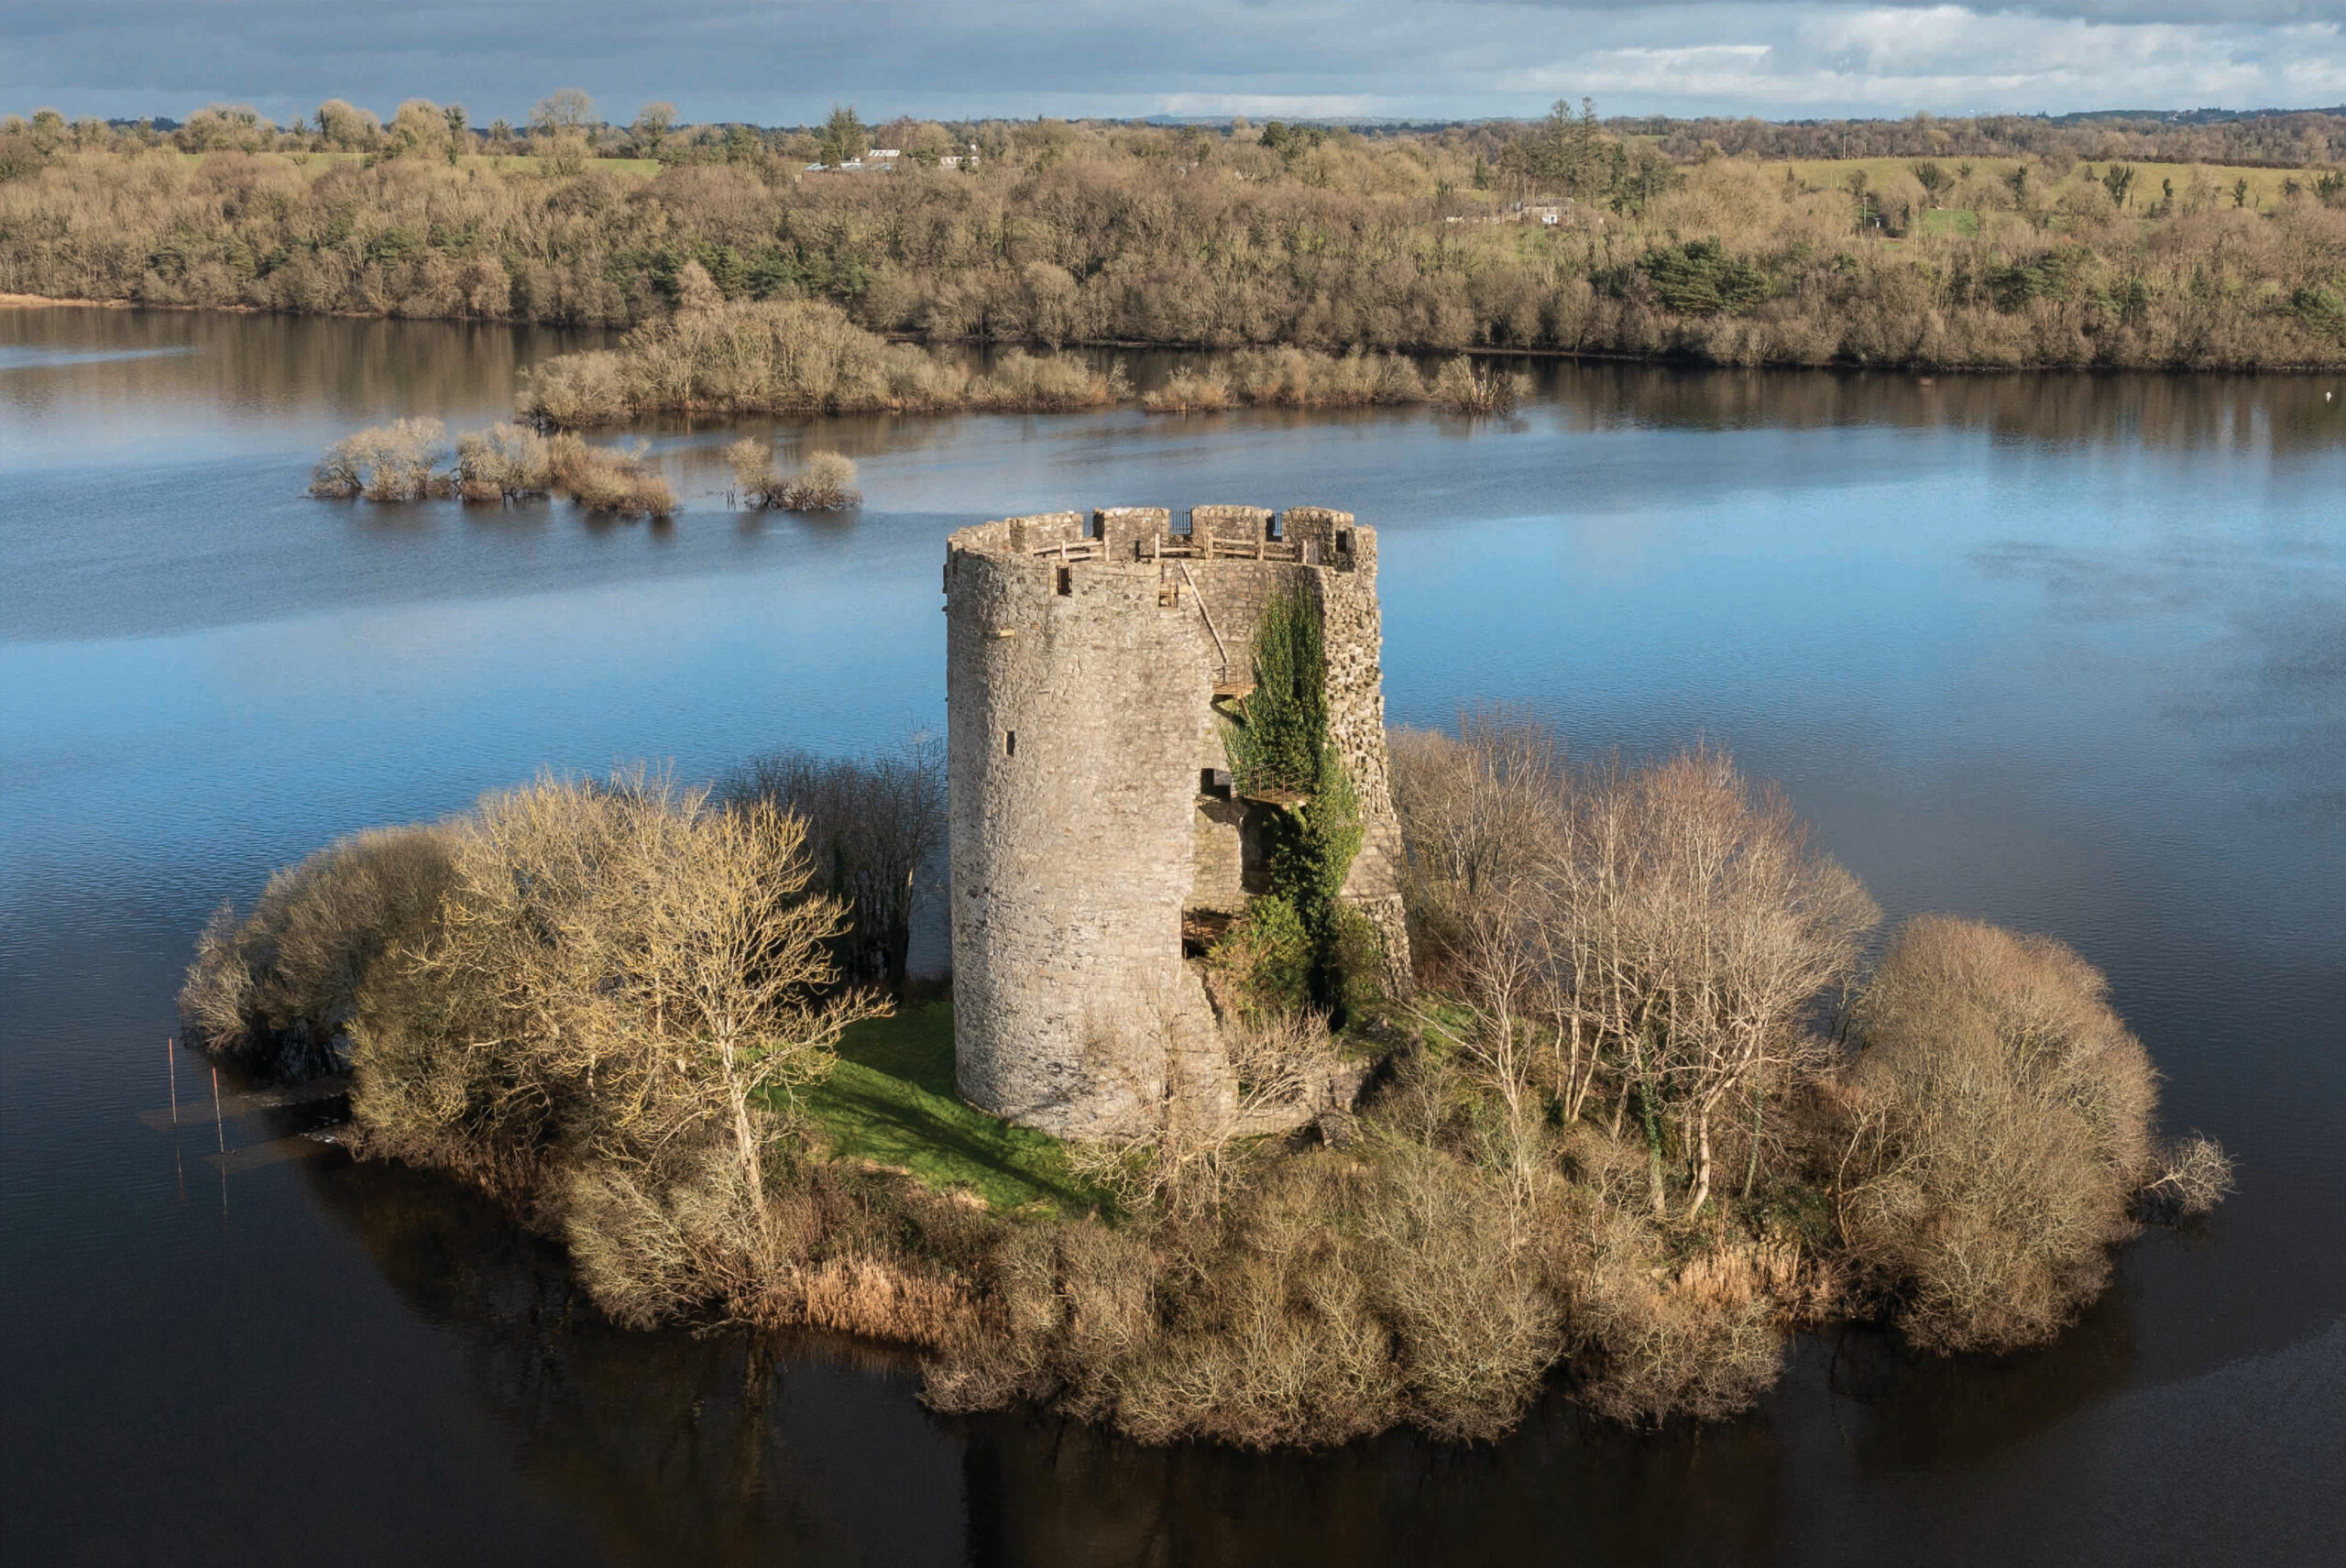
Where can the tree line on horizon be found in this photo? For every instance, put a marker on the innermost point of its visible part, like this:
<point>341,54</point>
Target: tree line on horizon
<point>2265,138</point>
<point>1990,242</point>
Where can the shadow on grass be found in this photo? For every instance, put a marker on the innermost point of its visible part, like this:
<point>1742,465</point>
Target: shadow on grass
<point>891,1100</point>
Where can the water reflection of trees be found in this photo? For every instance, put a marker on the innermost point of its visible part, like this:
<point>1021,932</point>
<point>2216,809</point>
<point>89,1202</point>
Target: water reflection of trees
<point>2170,412</point>
<point>719,1447</point>
<point>345,366</point>
<point>360,366</point>
<point>670,1446</point>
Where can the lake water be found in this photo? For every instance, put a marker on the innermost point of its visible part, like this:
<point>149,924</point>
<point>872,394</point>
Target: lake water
<point>2067,652</point>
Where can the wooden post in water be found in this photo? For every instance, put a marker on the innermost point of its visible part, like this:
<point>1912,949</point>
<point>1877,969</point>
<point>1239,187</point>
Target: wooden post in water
<point>171,1066</point>
<point>219,1128</point>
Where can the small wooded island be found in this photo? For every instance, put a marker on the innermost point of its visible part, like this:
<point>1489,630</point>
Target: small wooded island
<point>1301,1078</point>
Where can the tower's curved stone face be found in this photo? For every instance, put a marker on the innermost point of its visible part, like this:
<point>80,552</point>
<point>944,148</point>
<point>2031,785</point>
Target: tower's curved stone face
<point>1089,800</point>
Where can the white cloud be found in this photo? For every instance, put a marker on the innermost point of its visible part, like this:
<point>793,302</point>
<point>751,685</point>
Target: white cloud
<point>1292,105</point>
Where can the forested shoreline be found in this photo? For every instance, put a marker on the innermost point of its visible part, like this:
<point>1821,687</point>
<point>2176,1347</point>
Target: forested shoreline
<point>1967,244</point>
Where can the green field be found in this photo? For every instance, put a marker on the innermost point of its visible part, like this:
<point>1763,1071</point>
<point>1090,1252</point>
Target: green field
<point>2263,184</point>
<point>1943,220</point>
<point>890,1100</point>
<point>506,163</point>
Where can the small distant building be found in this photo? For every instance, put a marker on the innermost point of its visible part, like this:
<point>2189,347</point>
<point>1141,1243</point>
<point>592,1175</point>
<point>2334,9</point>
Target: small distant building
<point>877,161</point>
<point>1556,212</point>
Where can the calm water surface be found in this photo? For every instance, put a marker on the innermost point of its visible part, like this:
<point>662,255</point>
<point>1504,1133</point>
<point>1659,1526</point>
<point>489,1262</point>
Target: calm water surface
<point>2067,652</point>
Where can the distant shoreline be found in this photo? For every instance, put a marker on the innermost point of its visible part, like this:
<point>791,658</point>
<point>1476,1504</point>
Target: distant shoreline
<point>14,301</point>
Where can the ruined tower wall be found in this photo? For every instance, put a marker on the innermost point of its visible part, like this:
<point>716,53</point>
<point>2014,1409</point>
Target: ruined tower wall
<point>1077,846</point>
<point>1071,779</point>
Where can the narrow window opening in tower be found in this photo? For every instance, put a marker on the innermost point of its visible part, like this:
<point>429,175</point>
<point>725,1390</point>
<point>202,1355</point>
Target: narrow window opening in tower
<point>1271,527</point>
<point>1010,742</point>
<point>1343,542</point>
<point>1066,579</point>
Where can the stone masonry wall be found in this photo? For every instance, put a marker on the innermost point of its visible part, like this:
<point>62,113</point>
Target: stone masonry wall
<point>1082,734</point>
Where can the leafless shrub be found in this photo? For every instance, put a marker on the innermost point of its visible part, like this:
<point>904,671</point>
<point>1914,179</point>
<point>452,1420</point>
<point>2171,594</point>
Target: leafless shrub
<point>2001,1129</point>
<point>616,972</point>
<point>1302,377</point>
<point>573,392</point>
<point>384,463</point>
<point>874,825</point>
<point>1481,812</point>
<point>278,987</point>
<point>825,483</point>
<point>603,481</point>
<point>1190,391</point>
<point>752,461</point>
<point>1667,1346</point>
<point>2194,1174</point>
<point>1666,930</point>
<point>775,357</point>
<point>504,462</point>
<point>1282,1063</point>
<point>1022,382</point>
<point>1461,389</point>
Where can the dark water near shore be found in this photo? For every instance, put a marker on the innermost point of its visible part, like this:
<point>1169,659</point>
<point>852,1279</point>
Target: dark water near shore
<point>2064,651</point>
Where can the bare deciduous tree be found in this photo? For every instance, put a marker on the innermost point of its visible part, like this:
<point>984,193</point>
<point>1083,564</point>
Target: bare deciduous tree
<point>564,109</point>
<point>1666,926</point>
<point>874,829</point>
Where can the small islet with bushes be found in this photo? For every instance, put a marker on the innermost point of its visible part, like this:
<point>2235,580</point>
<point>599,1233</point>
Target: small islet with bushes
<point>1664,1096</point>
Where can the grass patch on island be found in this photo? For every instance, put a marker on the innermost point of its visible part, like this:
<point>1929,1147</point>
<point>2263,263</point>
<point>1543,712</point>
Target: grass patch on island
<point>890,1100</point>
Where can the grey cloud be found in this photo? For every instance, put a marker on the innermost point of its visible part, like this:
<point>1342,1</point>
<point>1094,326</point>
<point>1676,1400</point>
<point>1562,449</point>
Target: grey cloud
<point>779,64</point>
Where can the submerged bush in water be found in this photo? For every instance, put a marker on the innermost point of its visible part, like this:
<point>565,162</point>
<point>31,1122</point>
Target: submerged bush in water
<point>504,462</point>
<point>1463,389</point>
<point>603,481</point>
<point>825,483</point>
<point>385,463</point>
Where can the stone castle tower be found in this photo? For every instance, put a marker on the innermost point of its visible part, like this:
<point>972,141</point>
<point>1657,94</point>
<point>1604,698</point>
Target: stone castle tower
<point>1093,664</point>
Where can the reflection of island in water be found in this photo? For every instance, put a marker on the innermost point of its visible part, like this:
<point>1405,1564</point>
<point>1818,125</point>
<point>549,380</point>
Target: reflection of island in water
<point>723,1446</point>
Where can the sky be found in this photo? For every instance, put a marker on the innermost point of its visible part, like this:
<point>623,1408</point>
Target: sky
<point>787,64</point>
